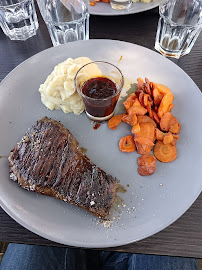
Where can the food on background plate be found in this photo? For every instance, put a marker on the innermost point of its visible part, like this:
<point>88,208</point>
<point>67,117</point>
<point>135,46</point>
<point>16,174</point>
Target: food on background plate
<point>148,112</point>
<point>143,1</point>
<point>92,3</point>
<point>58,91</point>
<point>48,160</point>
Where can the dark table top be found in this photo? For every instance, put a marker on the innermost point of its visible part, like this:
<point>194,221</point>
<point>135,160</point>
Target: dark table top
<point>183,237</point>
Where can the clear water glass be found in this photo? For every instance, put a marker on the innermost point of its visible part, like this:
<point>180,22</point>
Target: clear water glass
<point>179,26</point>
<point>67,20</point>
<point>18,19</point>
<point>121,4</point>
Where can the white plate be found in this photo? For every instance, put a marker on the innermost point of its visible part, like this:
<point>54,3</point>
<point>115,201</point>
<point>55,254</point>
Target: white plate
<point>105,9</point>
<point>152,202</point>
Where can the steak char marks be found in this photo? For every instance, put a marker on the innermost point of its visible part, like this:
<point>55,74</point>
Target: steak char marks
<point>48,160</point>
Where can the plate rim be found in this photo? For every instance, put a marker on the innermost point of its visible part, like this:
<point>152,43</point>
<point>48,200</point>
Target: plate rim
<point>126,12</point>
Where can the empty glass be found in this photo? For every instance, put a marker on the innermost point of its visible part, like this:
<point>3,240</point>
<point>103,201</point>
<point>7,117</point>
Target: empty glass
<point>18,19</point>
<point>67,20</point>
<point>179,26</point>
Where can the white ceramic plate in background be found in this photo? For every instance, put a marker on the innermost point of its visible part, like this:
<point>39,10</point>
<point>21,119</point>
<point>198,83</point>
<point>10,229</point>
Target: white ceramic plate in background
<point>152,202</point>
<point>105,9</point>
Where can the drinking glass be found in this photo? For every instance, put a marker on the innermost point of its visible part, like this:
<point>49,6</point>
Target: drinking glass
<point>100,101</point>
<point>120,4</point>
<point>178,27</point>
<point>67,20</point>
<point>18,19</point>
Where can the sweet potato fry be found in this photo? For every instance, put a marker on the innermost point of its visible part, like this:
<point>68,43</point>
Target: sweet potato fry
<point>137,108</point>
<point>168,138</point>
<point>144,141</point>
<point>146,164</point>
<point>162,88</point>
<point>114,121</point>
<point>165,152</point>
<point>129,101</point>
<point>130,119</point>
<point>92,3</point>
<point>165,103</point>
<point>127,144</point>
<point>106,1</point>
<point>145,119</point>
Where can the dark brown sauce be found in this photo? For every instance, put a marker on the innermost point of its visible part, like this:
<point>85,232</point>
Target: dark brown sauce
<point>102,91</point>
<point>96,126</point>
<point>99,88</point>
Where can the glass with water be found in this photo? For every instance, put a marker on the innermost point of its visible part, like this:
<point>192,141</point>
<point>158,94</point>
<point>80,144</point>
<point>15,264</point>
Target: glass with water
<point>179,26</point>
<point>18,19</point>
<point>67,20</point>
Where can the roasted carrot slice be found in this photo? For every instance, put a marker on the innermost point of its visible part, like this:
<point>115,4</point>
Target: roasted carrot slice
<point>130,119</point>
<point>175,128</point>
<point>136,108</point>
<point>146,99</point>
<point>155,117</point>
<point>106,1</point>
<point>147,130</point>
<point>143,148</point>
<point>162,88</point>
<point>145,119</point>
<point>167,120</point>
<point>146,86</point>
<point>168,138</point>
<point>165,104</point>
<point>149,109</point>
<point>136,128</point>
<point>127,144</point>
<point>165,152</point>
<point>170,107</point>
<point>129,101</point>
<point>140,83</point>
<point>144,141</point>
<point>92,3</point>
<point>114,121</point>
<point>147,164</point>
<point>152,86</point>
<point>157,96</point>
<point>159,134</point>
<point>175,139</point>
<point>141,98</point>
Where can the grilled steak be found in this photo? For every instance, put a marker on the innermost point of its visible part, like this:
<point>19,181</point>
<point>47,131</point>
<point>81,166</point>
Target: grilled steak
<point>48,160</point>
